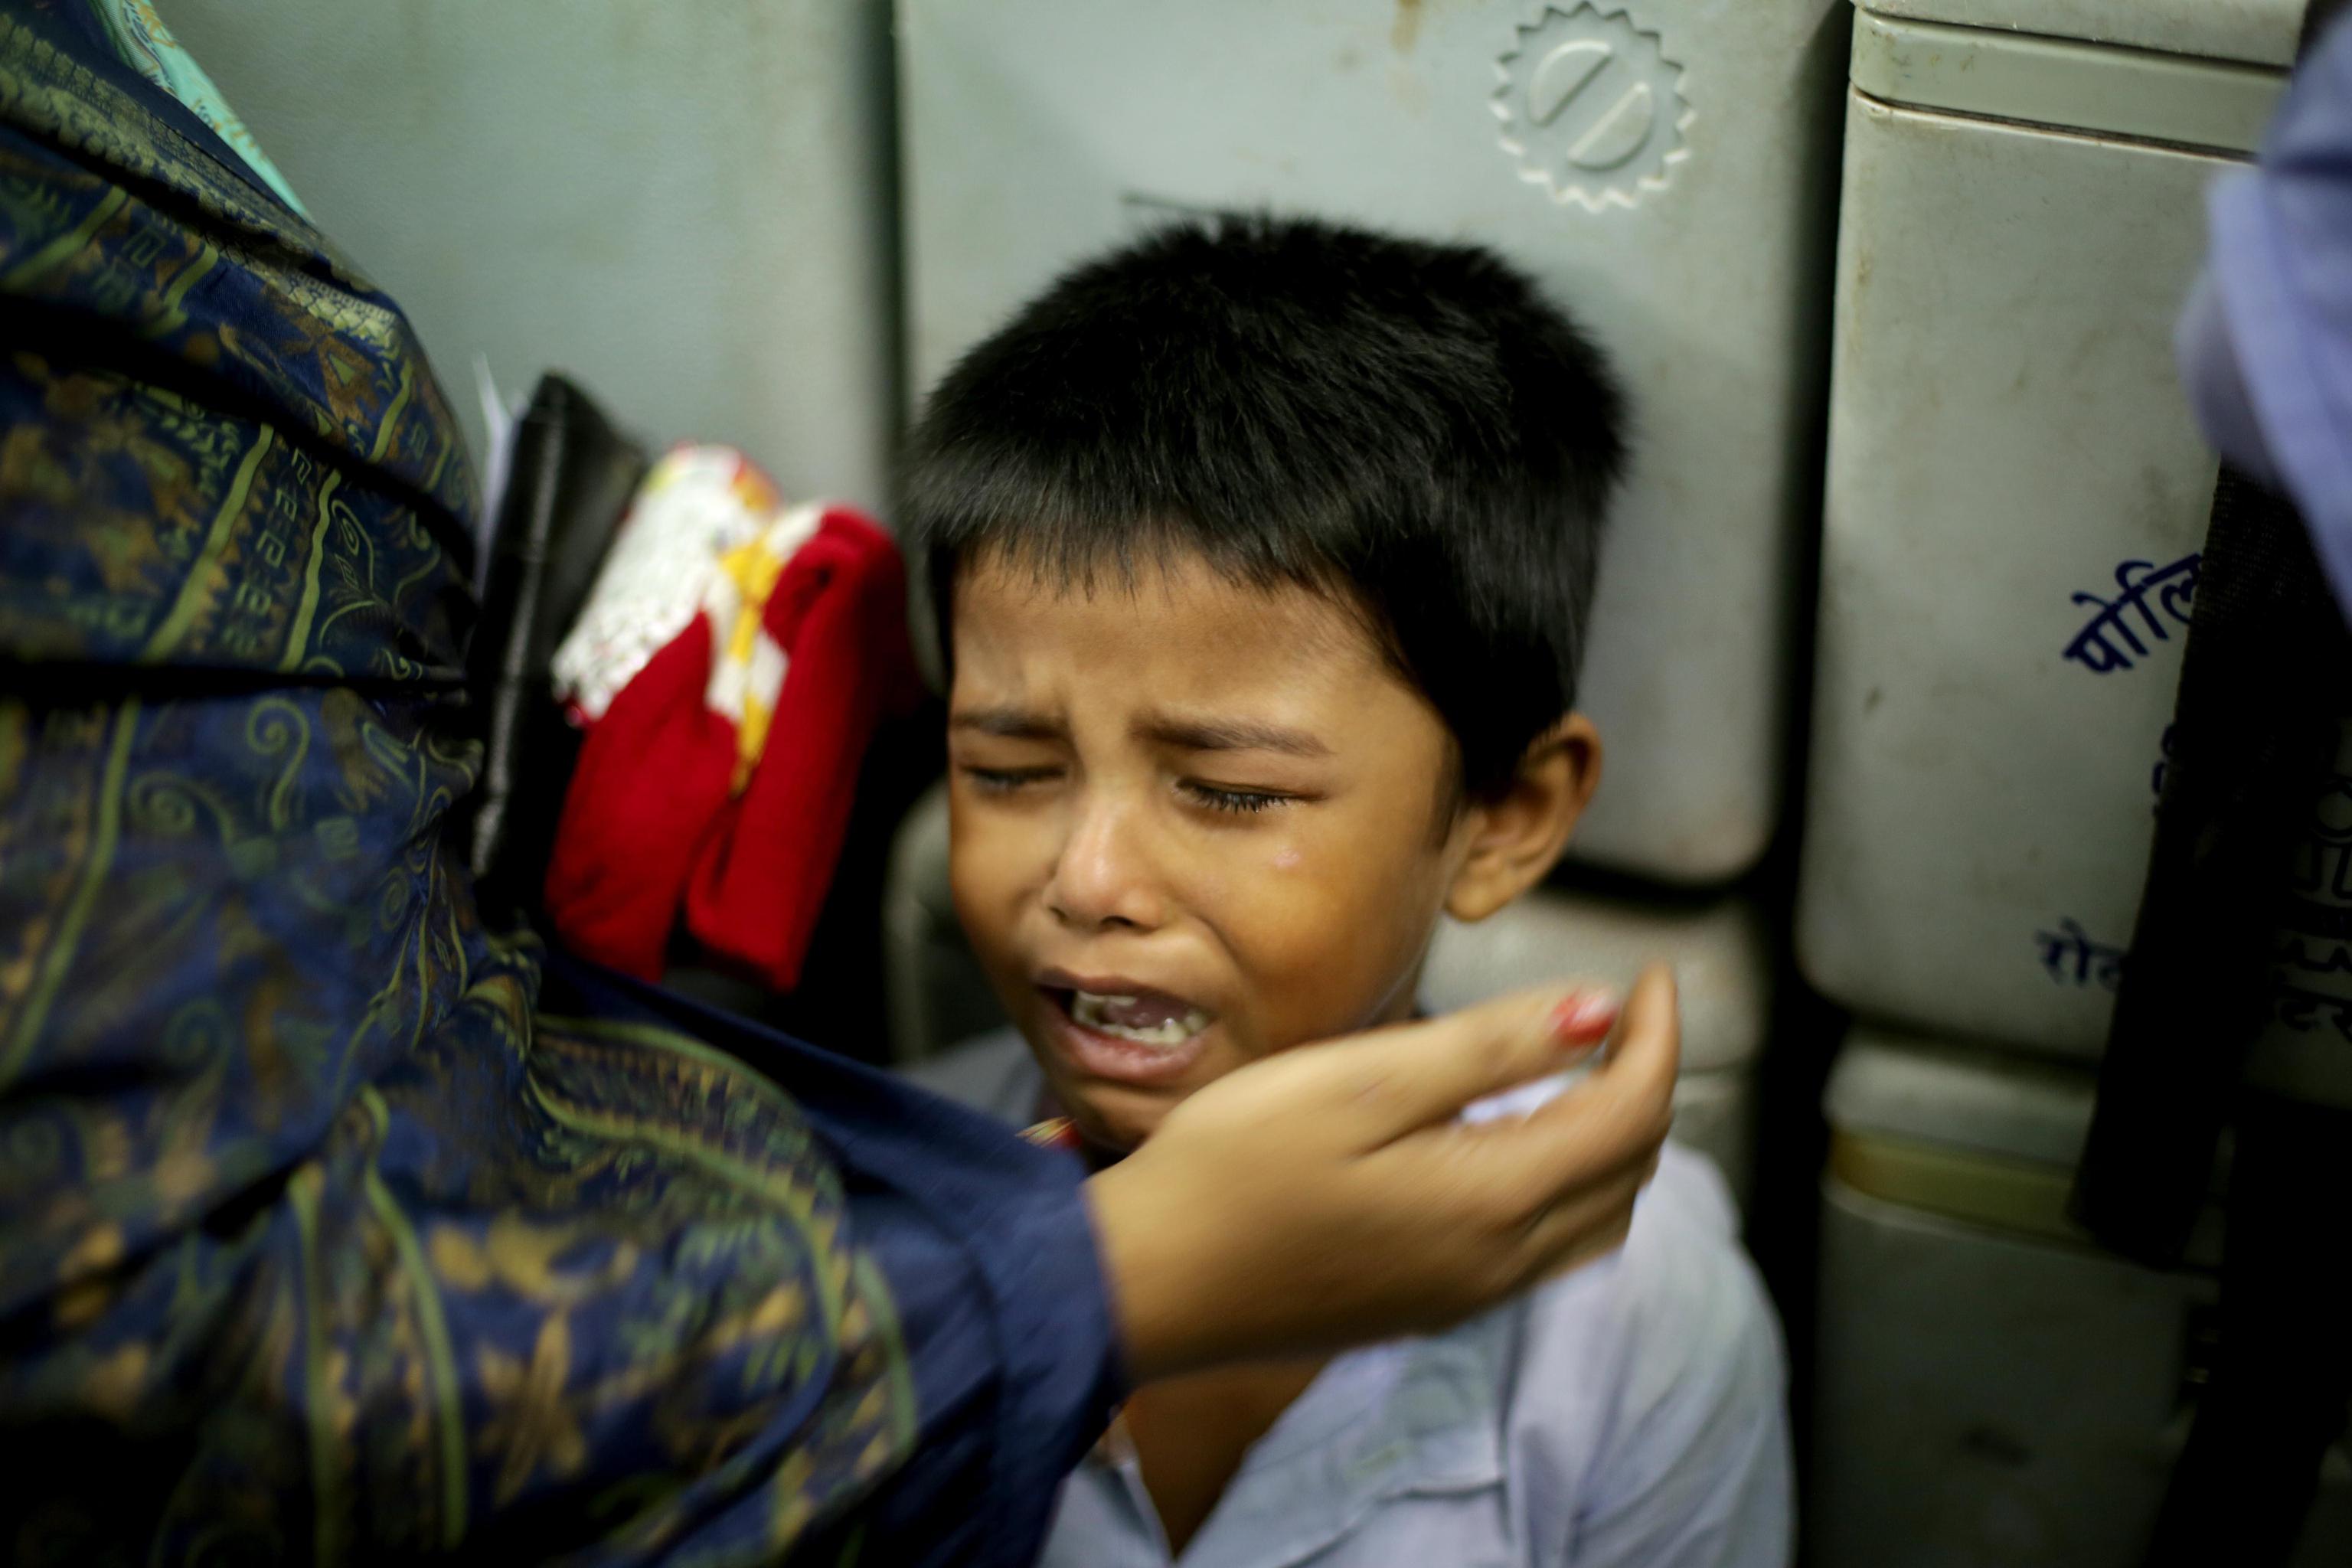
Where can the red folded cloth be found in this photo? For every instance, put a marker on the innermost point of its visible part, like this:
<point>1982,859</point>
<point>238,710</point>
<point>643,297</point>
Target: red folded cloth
<point>652,826</point>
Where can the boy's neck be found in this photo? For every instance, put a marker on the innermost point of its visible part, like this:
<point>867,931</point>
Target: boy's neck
<point>1191,1433</point>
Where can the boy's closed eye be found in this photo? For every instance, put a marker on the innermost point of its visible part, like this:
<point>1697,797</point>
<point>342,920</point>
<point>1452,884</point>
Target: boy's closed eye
<point>980,735</point>
<point>1219,797</point>
<point>1214,796</point>
<point>1004,781</point>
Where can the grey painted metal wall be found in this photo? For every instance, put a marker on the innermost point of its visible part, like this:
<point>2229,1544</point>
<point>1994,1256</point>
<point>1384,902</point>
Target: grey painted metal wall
<point>687,206</point>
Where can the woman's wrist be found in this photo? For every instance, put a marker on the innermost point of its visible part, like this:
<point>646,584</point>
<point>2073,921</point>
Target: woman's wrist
<point>1158,1311</point>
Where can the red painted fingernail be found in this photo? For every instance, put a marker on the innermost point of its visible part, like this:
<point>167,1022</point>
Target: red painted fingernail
<point>1585,1017</point>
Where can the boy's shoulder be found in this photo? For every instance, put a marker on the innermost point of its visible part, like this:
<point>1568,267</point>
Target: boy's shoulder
<point>1654,1384</point>
<point>1680,1291</point>
<point>992,1073</point>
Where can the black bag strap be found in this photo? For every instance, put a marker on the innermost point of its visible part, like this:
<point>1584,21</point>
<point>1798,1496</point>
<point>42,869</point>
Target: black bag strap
<point>2257,719</point>
<point>2253,734</point>
<point>2281,1370</point>
<point>2253,738</point>
<point>2252,721</point>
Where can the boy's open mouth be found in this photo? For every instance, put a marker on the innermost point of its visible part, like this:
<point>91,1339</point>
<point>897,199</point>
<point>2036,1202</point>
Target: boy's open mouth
<point>1146,1020</point>
<point>1129,1012</point>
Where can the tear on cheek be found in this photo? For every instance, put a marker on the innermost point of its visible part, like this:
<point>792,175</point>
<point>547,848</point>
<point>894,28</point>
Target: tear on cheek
<point>1287,860</point>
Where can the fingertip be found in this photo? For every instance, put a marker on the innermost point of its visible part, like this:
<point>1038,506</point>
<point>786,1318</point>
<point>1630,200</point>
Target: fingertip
<point>1584,1017</point>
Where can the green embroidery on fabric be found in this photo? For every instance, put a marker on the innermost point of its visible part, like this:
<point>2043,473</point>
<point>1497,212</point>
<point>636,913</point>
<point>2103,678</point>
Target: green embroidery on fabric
<point>200,588</point>
<point>791,1196</point>
<point>66,247</point>
<point>319,1404</point>
<point>59,954</point>
<point>298,639</point>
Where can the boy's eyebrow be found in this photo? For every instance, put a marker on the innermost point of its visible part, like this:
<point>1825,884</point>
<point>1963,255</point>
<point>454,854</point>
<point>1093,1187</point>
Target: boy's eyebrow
<point>1186,734</point>
<point>1011,723</point>
<point>1230,735</point>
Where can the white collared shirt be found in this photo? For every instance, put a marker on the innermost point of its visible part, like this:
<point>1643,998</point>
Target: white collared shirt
<point>1631,1415</point>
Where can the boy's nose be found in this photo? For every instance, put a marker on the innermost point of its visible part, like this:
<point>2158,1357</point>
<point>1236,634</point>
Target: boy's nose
<point>1103,876</point>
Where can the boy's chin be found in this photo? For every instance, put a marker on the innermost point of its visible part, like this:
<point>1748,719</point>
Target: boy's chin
<point>1115,1122</point>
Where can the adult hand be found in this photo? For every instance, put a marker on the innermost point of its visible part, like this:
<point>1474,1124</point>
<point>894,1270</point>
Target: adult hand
<point>1328,1196</point>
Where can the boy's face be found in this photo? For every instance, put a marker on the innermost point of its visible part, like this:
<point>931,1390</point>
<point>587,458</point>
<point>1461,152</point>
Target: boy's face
<point>1193,821</point>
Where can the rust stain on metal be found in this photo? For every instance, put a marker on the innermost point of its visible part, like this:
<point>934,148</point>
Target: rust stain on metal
<point>1407,26</point>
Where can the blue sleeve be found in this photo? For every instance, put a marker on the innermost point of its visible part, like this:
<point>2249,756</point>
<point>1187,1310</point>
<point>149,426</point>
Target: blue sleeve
<point>2217,385</point>
<point>989,1253</point>
<point>2281,280</point>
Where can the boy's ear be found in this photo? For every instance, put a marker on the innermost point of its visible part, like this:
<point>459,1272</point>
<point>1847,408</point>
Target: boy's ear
<point>1515,840</point>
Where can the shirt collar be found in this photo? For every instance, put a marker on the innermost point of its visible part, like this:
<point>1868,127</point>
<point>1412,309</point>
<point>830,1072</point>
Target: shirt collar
<point>1408,1416</point>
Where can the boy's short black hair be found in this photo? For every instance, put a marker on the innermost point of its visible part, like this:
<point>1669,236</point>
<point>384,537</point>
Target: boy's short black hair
<point>1409,426</point>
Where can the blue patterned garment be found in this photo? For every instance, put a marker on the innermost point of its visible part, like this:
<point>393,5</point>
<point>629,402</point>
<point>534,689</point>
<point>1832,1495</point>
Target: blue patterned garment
<point>334,1227</point>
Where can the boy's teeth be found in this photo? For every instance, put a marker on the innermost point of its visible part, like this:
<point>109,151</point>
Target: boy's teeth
<point>1094,1011</point>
